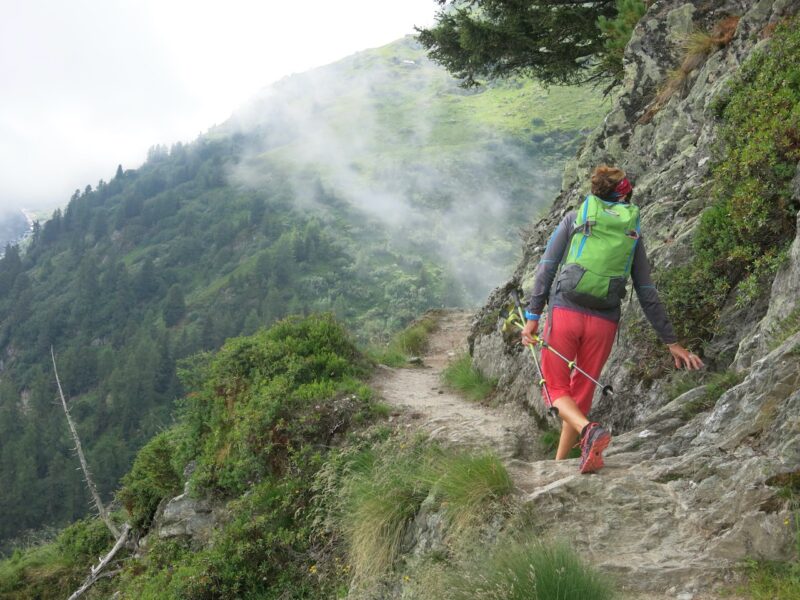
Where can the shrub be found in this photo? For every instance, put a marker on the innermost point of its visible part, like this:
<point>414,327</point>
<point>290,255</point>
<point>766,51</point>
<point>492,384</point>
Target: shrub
<point>267,401</point>
<point>152,478</point>
<point>54,569</point>
<point>264,550</point>
<point>743,235</point>
<point>462,376</point>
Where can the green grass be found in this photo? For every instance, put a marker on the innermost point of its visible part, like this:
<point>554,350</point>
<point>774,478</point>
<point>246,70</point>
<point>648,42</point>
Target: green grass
<point>772,581</point>
<point>785,328</point>
<point>379,505</point>
<point>468,483</point>
<point>462,376</point>
<point>768,580</point>
<point>388,486</point>
<point>411,341</point>
<point>526,569</point>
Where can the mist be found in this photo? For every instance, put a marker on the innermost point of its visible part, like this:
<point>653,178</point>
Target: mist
<point>90,84</point>
<point>383,134</point>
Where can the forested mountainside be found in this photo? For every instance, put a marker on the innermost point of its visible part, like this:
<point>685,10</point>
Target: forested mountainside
<point>373,188</point>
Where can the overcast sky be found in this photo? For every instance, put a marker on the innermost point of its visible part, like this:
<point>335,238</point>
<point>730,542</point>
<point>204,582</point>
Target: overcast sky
<point>88,84</point>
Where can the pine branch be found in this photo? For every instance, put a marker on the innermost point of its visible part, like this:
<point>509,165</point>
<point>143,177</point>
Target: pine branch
<point>98,504</point>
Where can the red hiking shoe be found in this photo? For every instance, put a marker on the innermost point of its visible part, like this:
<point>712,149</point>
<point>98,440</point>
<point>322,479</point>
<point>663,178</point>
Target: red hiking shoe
<point>594,439</point>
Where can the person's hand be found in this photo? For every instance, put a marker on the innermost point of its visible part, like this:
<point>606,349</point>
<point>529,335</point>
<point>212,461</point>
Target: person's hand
<point>529,332</point>
<point>683,357</point>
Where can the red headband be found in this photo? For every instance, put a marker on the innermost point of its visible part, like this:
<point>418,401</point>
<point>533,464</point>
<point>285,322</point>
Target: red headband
<point>623,188</point>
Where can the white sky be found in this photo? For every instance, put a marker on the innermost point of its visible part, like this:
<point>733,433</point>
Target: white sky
<point>88,84</point>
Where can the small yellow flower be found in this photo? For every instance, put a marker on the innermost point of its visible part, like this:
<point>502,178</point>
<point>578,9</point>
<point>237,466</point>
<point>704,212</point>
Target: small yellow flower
<point>312,569</point>
<point>786,522</point>
<point>406,578</point>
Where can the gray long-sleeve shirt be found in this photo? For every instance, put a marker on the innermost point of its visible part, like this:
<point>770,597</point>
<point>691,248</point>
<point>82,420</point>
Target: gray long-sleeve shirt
<point>640,274</point>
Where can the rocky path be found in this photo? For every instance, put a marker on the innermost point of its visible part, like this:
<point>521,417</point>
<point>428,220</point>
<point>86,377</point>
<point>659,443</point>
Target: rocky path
<point>632,519</point>
<point>424,402</point>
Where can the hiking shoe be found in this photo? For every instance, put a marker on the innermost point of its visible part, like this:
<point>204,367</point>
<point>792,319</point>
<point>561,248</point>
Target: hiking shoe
<point>594,440</point>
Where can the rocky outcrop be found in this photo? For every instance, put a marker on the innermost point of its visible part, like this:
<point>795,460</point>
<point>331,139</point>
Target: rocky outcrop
<point>669,157</point>
<point>188,518</point>
<point>685,497</point>
<point>693,485</point>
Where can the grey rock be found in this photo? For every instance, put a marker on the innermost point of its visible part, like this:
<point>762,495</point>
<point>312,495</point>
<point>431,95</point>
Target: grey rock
<point>193,519</point>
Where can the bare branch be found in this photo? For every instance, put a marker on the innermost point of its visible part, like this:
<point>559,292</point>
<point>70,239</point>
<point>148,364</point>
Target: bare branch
<point>84,465</point>
<point>97,571</point>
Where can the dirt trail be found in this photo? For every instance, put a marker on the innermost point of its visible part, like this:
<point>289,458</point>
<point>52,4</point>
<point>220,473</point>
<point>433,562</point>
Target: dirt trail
<point>556,489</point>
<point>426,403</point>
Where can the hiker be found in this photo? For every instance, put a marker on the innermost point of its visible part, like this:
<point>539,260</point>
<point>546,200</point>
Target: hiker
<point>602,242</point>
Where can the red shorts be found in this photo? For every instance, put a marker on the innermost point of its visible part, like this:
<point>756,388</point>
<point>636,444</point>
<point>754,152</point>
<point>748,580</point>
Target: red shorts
<point>587,340</point>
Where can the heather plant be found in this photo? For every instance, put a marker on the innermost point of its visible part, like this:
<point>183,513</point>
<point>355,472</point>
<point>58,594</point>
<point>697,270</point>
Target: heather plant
<point>742,237</point>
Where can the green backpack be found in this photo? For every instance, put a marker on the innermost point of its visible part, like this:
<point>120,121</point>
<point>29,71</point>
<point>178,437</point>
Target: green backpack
<point>596,269</point>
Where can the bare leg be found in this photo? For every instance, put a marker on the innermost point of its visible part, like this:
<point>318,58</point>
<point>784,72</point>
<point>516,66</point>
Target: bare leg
<point>568,438</point>
<point>570,413</point>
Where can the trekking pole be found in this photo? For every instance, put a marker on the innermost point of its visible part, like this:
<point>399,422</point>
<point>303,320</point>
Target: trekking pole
<point>606,389</point>
<point>551,410</point>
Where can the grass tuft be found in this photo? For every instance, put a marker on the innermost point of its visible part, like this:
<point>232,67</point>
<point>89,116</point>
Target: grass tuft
<point>772,581</point>
<point>468,484</point>
<point>462,376</point>
<point>384,494</point>
<point>411,341</point>
<point>379,505</point>
<point>697,47</point>
<point>526,570</point>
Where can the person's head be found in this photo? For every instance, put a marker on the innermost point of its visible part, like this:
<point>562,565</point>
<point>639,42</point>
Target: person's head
<point>610,183</point>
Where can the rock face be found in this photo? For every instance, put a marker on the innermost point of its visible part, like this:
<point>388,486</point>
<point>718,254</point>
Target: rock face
<point>188,518</point>
<point>685,495</point>
<point>669,157</point>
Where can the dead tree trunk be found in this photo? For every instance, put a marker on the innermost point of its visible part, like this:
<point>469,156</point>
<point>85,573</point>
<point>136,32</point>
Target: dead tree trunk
<point>101,509</point>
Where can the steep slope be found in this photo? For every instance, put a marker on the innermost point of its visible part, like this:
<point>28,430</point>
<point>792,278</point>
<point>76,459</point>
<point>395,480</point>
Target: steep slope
<point>703,473</point>
<point>370,188</point>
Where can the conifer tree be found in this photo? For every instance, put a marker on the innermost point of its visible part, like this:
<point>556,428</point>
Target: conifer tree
<point>175,306</point>
<point>554,41</point>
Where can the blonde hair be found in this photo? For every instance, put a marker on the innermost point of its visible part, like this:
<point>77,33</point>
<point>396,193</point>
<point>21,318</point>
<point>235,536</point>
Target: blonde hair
<point>605,179</point>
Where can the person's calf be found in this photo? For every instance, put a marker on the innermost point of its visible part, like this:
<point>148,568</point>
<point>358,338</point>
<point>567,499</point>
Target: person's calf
<point>567,440</point>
